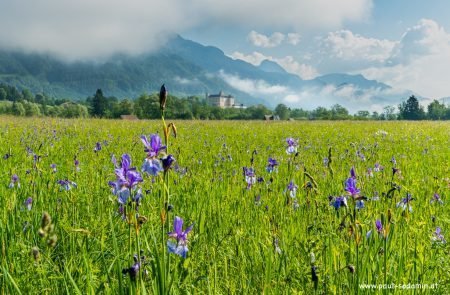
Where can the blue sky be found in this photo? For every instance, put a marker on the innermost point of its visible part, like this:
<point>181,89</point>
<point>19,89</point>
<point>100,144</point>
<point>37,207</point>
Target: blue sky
<point>405,44</point>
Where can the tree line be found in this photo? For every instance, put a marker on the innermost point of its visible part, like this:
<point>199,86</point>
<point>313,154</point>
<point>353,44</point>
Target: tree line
<point>146,106</point>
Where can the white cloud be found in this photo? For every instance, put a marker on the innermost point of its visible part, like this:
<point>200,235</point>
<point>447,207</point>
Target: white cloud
<point>349,96</point>
<point>424,39</point>
<point>261,40</point>
<point>274,40</point>
<point>96,28</point>
<point>255,58</point>
<point>420,61</point>
<point>304,71</point>
<point>293,38</point>
<point>254,87</point>
<point>346,46</point>
<point>184,81</point>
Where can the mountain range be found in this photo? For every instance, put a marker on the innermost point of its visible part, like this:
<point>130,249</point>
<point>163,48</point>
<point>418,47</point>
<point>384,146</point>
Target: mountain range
<point>189,68</point>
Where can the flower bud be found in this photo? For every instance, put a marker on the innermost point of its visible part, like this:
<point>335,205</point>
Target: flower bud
<point>46,220</point>
<point>162,97</point>
<point>36,254</point>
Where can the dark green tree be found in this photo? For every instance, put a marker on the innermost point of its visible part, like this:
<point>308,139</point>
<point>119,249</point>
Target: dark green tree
<point>321,113</point>
<point>411,110</point>
<point>18,109</point>
<point>99,104</point>
<point>282,111</point>
<point>338,112</point>
<point>389,113</point>
<point>436,110</point>
<point>3,94</point>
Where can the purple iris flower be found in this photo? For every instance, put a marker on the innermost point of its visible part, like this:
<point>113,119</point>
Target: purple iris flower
<point>98,147</point>
<point>438,237</point>
<point>277,246</point>
<point>167,162</point>
<point>353,173</point>
<point>359,204</point>
<point>153,146</point>
<point>272,165</point>
<point>249,176</point>
<point>350,187</point>
<point>258,200</point>
<point>53,166</point>
<point>66,184</point>
<point>77,167</point>
<point>292,188</point>
<point>405,203</point>
<point>338,202</point>
<point>28,203</point>
<point>152,166</point>
<point>127,176</point>
<point>379,226</point>
<point>179,246</point>
<point>292,146</point>
<point>361,155</point>
<point>133,270</point>
<point>393,161</point>
<point>378,167</point>
<point>14,181</point>
<point>436,199</point>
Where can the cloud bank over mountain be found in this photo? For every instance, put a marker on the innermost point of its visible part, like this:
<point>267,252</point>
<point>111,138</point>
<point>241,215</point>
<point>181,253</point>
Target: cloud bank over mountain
<point>87,29</point>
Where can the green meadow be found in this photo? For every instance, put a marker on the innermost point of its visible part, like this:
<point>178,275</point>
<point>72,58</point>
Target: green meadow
<point>64,230</point>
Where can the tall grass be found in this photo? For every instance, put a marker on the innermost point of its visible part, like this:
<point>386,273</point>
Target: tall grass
<point>232,247</point>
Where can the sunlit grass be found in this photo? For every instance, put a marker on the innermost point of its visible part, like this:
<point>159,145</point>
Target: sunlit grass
<point>232,246</point>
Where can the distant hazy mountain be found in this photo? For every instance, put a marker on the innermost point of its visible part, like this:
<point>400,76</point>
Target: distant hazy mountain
<point>341,80</point>
<point>271,67</point>
<point>186,67</point>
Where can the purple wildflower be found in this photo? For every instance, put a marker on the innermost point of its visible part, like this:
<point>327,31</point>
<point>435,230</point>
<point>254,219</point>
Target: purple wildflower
<point>167,162</point>
<point>338,202</point>
<point>152,166</point>
<point>179,246</point>
<point>378,167</point>
<point>405,203</point>
<point>359,204</point>
<point>133,270</point>
<point>66,184</point>
<point>353,173</point>
<point>350,187</point>
<point>379,226</point>
<point>127,176</point>
<point>77,165</point>
<point>98,147</point>
<point>276,245</point>
<point>360,155</point>
<point>53,166</point>
<point>437,236</point>
<point>153,146</point>
<point>292,188</point>
<point>249,176</point>
<point>393,161</point>
<point>14,181</point>
<point>271,166</point>
<point>292,146</point>
<point>436,199</point>
<point>28,203</point>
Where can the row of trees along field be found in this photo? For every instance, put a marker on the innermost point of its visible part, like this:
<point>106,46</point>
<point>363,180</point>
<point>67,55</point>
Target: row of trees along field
<point>24,103</point>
